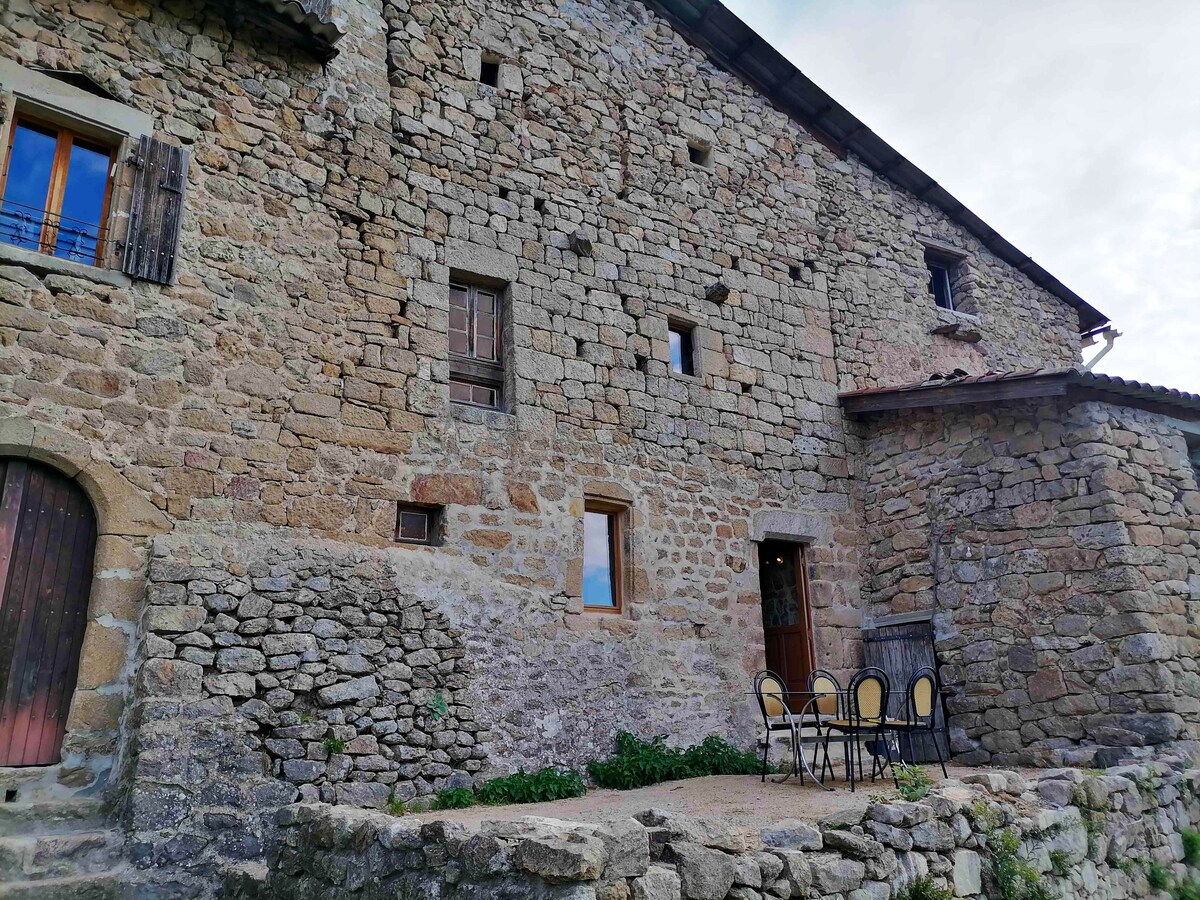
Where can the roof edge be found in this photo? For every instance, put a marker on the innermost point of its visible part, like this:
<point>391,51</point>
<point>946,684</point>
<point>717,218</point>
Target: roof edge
<point>734,46</point>
<point>1030,384</point>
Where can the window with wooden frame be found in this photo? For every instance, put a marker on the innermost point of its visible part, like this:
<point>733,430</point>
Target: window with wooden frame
<point>603,555</point>
<point>418,524</point>
<point>56,188</point>
<point>476,353</point>
<point>681,336</point>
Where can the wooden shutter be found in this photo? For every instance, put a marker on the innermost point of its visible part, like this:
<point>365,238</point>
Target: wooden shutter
<point>156,213</point>
<point>900,648</point>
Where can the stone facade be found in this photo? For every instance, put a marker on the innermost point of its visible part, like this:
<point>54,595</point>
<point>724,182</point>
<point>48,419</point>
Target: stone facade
<point>1086,837</point>
<point>275,404</point>
<point>1055,545</point>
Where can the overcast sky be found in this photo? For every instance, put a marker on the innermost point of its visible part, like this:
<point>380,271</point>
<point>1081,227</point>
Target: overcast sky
<point>1072,127</point>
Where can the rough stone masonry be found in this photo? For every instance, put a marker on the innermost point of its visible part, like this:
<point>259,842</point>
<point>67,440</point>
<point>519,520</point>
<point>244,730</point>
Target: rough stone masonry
<point>274,405</point>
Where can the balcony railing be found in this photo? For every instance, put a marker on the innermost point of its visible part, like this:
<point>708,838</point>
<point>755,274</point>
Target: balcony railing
<point>51,233</point>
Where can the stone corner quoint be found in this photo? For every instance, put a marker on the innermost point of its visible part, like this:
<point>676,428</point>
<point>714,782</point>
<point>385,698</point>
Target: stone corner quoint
<point>398,394</point>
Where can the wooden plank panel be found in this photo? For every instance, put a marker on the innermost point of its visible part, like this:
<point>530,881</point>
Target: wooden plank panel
<point>12,492</point>
<point>48,584</point>
<point>156,211</point>
<point>900,650</point>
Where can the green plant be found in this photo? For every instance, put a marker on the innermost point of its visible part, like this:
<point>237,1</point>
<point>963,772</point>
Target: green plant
<point>548,784</point>
<point>437,706</point>
<point>306,718</point>
<point>1014,879</point>
<point>1060,862</point>
<point>1191,846</point>
<point>395,806</point>
<point>637,763</point>
<point>1158,876</point>
<point>334,745</point>
<point>985,817</point>
<point>454,798</point>
<point>924,888</point>
<point>1186,890</point>
<point>913,782</point>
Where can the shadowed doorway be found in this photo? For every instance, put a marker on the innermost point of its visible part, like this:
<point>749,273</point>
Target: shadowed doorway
<point>787,614</point>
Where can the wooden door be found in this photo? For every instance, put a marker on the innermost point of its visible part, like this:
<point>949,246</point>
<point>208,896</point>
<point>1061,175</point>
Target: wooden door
<point>787,615</point>
<point>47,545</point>
<point>900,648</point>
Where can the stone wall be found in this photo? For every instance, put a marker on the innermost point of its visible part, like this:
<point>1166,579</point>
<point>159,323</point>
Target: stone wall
<point>1086,836</point>
<point>1057,548</point>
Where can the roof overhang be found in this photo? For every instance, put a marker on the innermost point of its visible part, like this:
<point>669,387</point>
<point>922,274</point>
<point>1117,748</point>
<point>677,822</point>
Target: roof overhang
<point>738,49</point>
<point>310,23</point>
<point>1009,386</point>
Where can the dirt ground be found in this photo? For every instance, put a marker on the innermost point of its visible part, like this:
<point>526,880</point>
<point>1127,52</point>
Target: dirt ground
<point>739,800</point>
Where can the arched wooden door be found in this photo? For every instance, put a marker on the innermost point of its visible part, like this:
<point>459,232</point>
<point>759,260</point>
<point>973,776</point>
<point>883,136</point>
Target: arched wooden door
<point>47,545</point>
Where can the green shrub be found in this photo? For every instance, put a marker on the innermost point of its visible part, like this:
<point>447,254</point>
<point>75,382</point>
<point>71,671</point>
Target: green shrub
<point>913,782</point>
<point>637,763</point>
<point>334,745</point>
<point>1191,846</point>
<point>1186,890</point>
<point>1014,879</point>
<point>1060,862</point>
<point>924,888</point>
<point>454,798</point>
<point>1158,876</point>
<point>548,784</point>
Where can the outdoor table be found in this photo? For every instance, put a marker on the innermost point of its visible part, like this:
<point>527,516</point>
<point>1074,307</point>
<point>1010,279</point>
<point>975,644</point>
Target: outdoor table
<point>797,722</point>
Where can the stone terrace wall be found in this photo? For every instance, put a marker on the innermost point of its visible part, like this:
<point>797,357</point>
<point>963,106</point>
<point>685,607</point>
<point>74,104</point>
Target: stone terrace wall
<point>1101,829</point>
<point>1057,548</point>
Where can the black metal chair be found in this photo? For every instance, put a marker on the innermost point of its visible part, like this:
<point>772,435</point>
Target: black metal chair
<point>777,716</point>
<point>826,706</point>
<point>920,707</point>
<point>866,719</point>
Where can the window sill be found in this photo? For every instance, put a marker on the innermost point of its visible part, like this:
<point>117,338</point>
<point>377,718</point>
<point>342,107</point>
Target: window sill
<point>690,379</point>
<point>479,415</point>
<point>957,316</point>
<point>44,264</point>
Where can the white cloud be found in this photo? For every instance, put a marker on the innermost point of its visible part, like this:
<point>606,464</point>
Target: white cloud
<point>1071,127</point>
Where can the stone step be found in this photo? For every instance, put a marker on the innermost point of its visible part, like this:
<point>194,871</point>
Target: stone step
<point>50,817</point>
<point>102,886</point>
<point>48,856</point>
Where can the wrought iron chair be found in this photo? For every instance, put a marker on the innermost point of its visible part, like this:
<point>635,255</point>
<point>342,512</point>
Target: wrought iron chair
<point>777,715</point>
<point>919,710</point>
<point>826,704</point>
<point>866,718</point>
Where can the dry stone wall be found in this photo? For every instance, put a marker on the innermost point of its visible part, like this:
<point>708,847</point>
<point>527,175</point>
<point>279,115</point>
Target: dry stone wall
<point>1084,836</point>
<point>1057,548</point>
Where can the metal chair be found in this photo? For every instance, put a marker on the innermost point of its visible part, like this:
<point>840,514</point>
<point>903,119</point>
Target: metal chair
<point>827,696</point>
<point>919,710</point>
<point>866,717</point>
<point>777,715</point>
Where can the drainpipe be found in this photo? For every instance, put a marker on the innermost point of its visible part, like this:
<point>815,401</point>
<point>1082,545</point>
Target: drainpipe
<point>1110,335</point>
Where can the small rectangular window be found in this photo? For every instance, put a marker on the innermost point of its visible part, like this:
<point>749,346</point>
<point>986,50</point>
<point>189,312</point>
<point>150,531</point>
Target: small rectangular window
<point>476,357</point>
<point>683,354</point>
<point>55,188</point>
<point>489,72</point>
<point>603,581</point>
<point>700,155</point>
<point>418,524</point>
<point>939,281</point>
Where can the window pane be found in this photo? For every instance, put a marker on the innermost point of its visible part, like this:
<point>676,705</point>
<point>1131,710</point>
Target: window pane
<point>83,202</point>
<point>939,286</point>
<point>598,560</point>
<point>414,526</point>
<point>485,348</point>
<point>486,302</point>
<point>27,186</point>
<point>676,341</point>
<point>475,394</point>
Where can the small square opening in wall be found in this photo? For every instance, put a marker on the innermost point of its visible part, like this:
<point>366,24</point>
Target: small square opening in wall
<point>681,337</point>
<point>418,524</point>
<point>489,71</point>
<point>700,154</point>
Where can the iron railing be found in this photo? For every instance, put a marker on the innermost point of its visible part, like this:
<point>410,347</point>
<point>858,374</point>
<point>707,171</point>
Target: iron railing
<point>51,233</point>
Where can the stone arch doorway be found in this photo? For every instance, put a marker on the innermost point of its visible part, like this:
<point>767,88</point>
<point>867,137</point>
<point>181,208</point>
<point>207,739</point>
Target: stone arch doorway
<point>47,549</point>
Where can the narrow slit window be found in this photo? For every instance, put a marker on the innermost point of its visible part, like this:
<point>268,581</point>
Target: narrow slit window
<point>603,580</point>
<point>55,187</point>
<point>476,358</point>
<point>418,524</point>
<point>681,337</point>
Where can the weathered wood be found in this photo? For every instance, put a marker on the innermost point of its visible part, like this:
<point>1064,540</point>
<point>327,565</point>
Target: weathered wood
<point>156,211</point>
<point>900,649</point>
<point>955,394</point>
<point>47,548</point>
